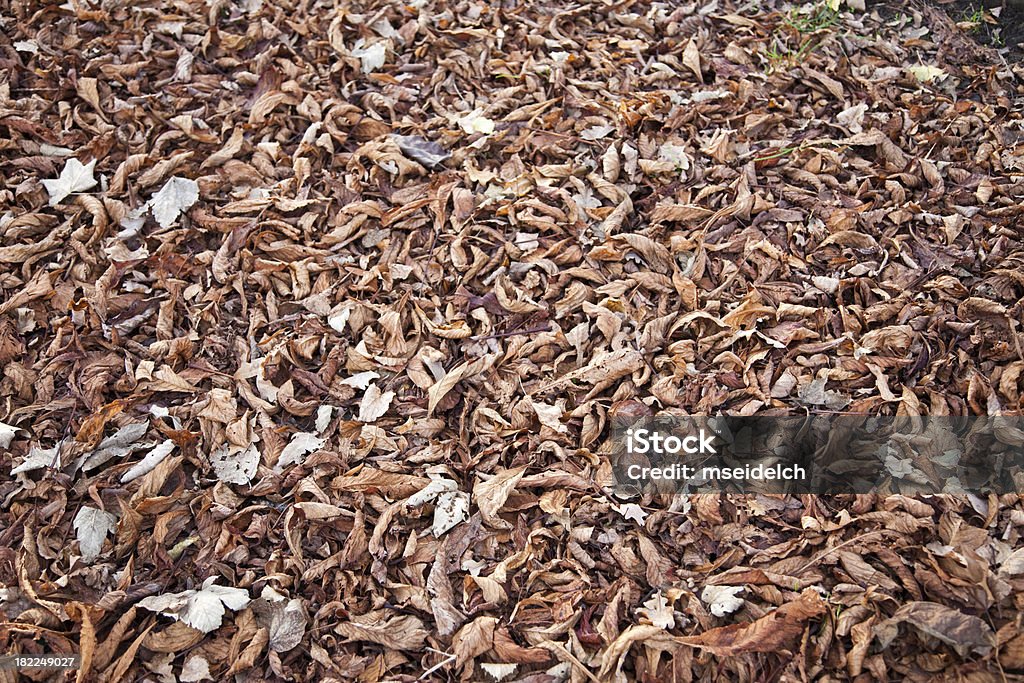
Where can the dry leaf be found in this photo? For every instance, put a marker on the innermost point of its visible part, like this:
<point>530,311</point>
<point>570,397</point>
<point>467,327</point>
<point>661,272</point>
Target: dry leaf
<point>691,59</point>
<point>965,633</point>
<point>451,508</point>
<point>490,495</point>
<point>285,620</point>
<point>499,672</point>
<point>39,458</point>
<point>775,631</point>
<point>374,404</point>
<point>658,611</point>
<point>722,600</point>
<point>234,465</point>
<point>195,668</point>
<point>174,198</point>
<point>927,73</point>
<point>7,433</point>
<point>92,526</point>
<point>74,178</point>
<point>403,632</point>
<point>149,461</point>
<point>300,445</point>
<point>201,609</point>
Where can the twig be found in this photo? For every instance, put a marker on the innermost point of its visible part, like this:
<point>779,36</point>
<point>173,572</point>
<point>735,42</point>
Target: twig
<point>449,659</point>
<point>512,333</point>
<point>817,558</point>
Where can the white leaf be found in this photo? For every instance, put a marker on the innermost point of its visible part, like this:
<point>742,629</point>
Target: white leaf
<point>323,418</point>
<point>816,394</point>
<point>674,154</point>
<point>430,492</point>
<point>26,46</point>
<point>585,199</point>
<point>691,58</point>
<point>183,69</point>
<point>118,445</point>
<point>851,118</point>
<point>177,195</point>
<point>549,416</point>
<point>301,444</point>
<point>374,404</point>
<point>38,458</point>
<point>54,151</point>
<point>196,669</point>
<point>499,671</point>
<point>234,598</point>
<point>125,436</point>
<point>632,511</point>
<point>384,28</point>
<point>899,467</point>
<point>361,380</point>
<point>337,319</point>
<point>476,122</point>
<point>452,508</point>
<point>829,285</point>
<point>92,526</point>
<point>722,600</point>
<point>1013,565</point>
<point>6,435</point>
<point>202,609</point>
<point>233,465</point>
<point>372,57</point>
<point>266,388</point>
<point>658,611</point>
<point>149,461</point>
<point>596,132</point>
<point>527,241</point>
<point>927,74</point>
<point>74,178</point>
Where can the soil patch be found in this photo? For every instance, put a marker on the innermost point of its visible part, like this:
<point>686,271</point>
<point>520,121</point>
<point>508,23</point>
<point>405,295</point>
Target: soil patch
<point>995,24</point>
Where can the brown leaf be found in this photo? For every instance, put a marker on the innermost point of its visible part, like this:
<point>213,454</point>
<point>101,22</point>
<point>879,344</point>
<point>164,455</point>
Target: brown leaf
<point>965,633</point>
<point>247,658</point>
<point>691,59</point>
<point>473,639</point>
<point>604,368</point>
<point>775,631</point>
<point>116,671</point>
<point>490,495</point>
<point>86,638</point>
<point>507,650</point>
<point>447,617</point>
<point>403,632</point>
<point>91,431</point>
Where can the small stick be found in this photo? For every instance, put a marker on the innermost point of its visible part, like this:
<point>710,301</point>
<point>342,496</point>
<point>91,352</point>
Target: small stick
<point>513,333</point>
<point>445,662</point>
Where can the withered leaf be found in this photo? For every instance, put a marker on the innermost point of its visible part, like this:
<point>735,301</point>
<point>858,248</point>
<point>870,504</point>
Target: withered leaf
<point>402,632</point>
<point>427,152</point>
<point>778,630</point>
<point>963,632</point>
<point>490,495</point>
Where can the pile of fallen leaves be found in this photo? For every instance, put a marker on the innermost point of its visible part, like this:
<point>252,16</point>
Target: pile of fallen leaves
<point>313,317</point>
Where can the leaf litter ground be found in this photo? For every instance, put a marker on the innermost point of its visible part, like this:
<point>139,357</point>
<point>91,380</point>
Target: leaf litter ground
<point>312,319</point>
